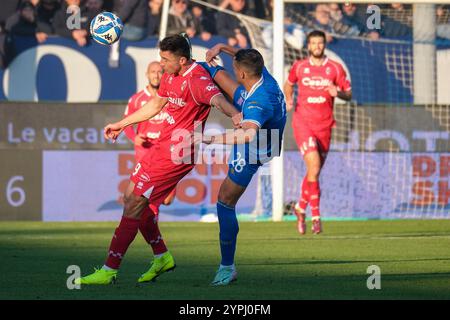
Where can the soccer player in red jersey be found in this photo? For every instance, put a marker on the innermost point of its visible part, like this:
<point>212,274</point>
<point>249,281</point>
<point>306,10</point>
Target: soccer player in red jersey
<point>145,135</point>
<point>187,92</point>
<point>320,80</point>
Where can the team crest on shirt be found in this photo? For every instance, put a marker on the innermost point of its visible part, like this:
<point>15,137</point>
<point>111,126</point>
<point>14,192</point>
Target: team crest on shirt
<point>143,103</point>
<point>170,80</point>
<point>328,70</point>
<point>183,85</point>
<point>306,71</point>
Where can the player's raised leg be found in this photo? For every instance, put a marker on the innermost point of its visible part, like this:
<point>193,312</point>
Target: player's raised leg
<point>121,240</point>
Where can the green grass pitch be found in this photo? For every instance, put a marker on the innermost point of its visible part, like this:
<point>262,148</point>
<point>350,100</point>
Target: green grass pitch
<point>273,261</point>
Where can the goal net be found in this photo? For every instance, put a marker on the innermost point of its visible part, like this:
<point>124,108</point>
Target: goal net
<point>390,153</point>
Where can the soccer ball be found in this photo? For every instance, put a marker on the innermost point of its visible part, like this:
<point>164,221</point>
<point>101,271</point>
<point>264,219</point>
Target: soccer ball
<point>106,28</point>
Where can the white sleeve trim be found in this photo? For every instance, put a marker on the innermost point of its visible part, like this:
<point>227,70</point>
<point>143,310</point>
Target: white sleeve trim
<point>218,93</point>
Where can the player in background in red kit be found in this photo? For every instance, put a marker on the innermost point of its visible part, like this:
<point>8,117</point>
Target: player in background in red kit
<point>145,135</point>
<point>320,80</point>
<point>186,93</point>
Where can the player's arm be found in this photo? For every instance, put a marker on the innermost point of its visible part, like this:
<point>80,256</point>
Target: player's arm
<point>149,110</point>
<point>221,77</point>
<point>130,131</point>
<point>342,87</point>
<point>212,53</point>
<point>335,92</point>
<point>345,95</point>
<point>288,89</point>
<point>245,134</point>
<point>221,103</point>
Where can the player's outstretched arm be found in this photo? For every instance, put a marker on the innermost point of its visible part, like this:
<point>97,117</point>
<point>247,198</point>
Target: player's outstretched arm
<point>227,108</point>
<point>222,78</point>
<point>149,110</point>
<point>212,53</point>
<point>245,134</point>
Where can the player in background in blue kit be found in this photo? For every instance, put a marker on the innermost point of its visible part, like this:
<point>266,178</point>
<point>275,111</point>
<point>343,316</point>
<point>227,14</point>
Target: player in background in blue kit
<point>258,140</point>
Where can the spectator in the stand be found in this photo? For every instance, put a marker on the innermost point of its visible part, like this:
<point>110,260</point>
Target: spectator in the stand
<point>134,15</point>
<point>230,26</point>
<point>154,18</point>
<point>391,28</point>
<point>23,22</point>
<point>81,36</point>
<point>180,18</point>
<point>443,27</point>
<point>322,20</point>
<point>204,25</point>
<point>9,7</point>
<point>46,10</point>
<point>356,21</point>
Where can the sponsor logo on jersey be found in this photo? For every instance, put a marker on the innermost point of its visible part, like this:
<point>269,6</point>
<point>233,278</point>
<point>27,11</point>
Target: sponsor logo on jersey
<point>177,101</point>
<point>316,82</point>
<point>153,135</point>
<point>317,100</point>
<point>159,118</point>
<point>144,177</point>
<point>211,86</point>
<point>170,119</point>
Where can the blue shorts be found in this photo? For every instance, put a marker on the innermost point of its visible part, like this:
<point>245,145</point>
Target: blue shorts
<point>240,171</point>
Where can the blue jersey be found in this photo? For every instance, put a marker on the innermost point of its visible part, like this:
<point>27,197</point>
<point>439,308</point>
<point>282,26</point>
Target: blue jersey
<point>264,106</point>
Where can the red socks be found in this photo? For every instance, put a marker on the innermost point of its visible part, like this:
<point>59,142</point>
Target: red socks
<point>310,194</point>
<point>123,236</point>
<point>314,198</point>
<point>304,198</point>
<point>150,230</point>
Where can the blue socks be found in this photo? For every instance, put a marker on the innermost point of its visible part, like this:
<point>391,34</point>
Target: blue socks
<point>229,229</point>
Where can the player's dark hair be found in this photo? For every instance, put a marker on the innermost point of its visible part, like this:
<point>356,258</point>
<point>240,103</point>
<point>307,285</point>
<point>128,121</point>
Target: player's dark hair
<point>315,34</point>
<point>251,60</point>
<point>177,45</point>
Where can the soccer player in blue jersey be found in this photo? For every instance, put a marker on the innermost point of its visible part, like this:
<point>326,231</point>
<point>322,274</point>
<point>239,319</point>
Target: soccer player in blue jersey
<point>258,139</point>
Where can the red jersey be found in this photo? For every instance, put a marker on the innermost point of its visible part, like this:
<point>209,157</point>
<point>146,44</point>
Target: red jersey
<point>314,104</point>
<point>189,100</point>
<point>150,128</point>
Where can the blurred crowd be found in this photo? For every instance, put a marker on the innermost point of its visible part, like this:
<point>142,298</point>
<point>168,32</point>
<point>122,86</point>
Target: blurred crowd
<point>41,18</point>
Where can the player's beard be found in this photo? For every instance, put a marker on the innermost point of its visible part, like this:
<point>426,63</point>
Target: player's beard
<point>317,56</point>
<point>156,87</point>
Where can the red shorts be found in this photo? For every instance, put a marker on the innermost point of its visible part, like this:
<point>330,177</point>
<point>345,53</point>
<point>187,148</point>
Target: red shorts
<point>156,182</point>
<point>311,140</point>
